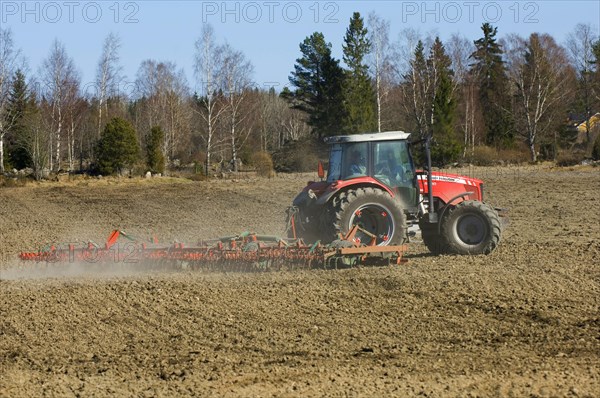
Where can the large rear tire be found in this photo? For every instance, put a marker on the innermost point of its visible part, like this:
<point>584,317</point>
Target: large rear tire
<point>471,227</point>
<point>375,211</point>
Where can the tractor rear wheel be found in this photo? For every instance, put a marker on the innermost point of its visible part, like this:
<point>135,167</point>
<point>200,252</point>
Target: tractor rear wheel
<point>374,211</point>
<point>471,227</point>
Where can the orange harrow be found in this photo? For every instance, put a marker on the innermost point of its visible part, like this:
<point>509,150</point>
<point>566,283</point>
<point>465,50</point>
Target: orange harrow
<point>244,252</point>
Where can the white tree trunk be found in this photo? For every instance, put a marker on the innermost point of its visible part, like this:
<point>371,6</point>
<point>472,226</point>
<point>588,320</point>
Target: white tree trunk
<point>209,135</point>
<point>378,88</point>
<point>72,146</point>
<point>2,152</point>
<point>233,143</point>
<point>100,105</point>
<point>58,134</point>
<point>50,149</point>
<point>532,151</point>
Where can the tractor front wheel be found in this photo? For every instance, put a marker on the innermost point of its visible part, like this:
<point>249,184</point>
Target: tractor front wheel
<point>374,211</point>
<point>471,227</point>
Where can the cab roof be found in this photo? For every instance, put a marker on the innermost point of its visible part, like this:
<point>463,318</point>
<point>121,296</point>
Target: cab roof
<point>367,137</point>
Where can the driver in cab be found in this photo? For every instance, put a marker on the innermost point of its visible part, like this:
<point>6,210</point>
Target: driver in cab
<point>357,165</point>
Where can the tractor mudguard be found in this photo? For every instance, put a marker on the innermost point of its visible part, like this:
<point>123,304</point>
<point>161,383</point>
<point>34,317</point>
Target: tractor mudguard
<point>337,186</point>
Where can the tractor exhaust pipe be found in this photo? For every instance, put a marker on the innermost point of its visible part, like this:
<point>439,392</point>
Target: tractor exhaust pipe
<point>431,214</point>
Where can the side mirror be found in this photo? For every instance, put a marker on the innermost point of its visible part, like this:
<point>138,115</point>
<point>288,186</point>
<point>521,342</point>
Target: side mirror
<point>320,170</point>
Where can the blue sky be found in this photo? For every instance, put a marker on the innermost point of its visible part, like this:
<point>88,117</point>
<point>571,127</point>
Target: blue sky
<point>268,32</point>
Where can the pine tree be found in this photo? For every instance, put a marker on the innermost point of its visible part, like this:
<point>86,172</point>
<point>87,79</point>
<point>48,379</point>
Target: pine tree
<point>493,88</point>
<point>118,147</point>
<point>359,97</point>
<point>317,78</point>
<point>20,105</point>
<point>446,147</point>
<point>155,159</point>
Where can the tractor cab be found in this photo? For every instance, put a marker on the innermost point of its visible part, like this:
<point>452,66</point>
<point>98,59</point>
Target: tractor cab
<point>379,159</point>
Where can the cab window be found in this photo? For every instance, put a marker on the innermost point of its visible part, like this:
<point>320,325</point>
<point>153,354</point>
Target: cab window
<point>392,162</point>
<point>334,172</point>
<point>354,162</point>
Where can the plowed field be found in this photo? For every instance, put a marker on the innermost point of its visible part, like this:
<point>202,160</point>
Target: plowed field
<point>523,321</point>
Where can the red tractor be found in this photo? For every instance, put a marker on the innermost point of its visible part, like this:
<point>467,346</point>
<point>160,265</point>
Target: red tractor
<point>372,183</point>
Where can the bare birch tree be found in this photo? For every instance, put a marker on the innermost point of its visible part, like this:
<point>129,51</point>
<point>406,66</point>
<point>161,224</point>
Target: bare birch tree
<point>36,142</point>
<point>541,74</point>
<point>269,119</point>
<point>108,75</point>
<point>380,60</point>
<point>58,75</point>
<point>162,92</point>
<point>8,62</point>
<point>295,126</point>
<point>236,82</point>
<point>279,123</point>
<point>207,68</point>
<point>72,117</point>
<point>465,87</point>
<point>178,114</point>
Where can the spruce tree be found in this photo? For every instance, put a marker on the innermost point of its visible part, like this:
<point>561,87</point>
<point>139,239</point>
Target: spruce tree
<point>20,105</point>
<point>155,159</point>
<point>118,147</point>
<point>490,71</point>
<point>359,97</point>
<point>446,147</point>
<point>317,78</point>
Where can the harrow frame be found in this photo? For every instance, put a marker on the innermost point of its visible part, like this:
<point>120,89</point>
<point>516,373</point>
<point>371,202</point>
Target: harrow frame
<point>244,252</point>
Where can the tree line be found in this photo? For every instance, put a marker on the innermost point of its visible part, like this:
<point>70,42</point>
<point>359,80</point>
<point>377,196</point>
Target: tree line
<point>51,122</point>
<point>513,92</point>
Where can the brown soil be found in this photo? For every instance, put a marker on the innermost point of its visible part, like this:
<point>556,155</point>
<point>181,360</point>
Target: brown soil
<point>524,321</point>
